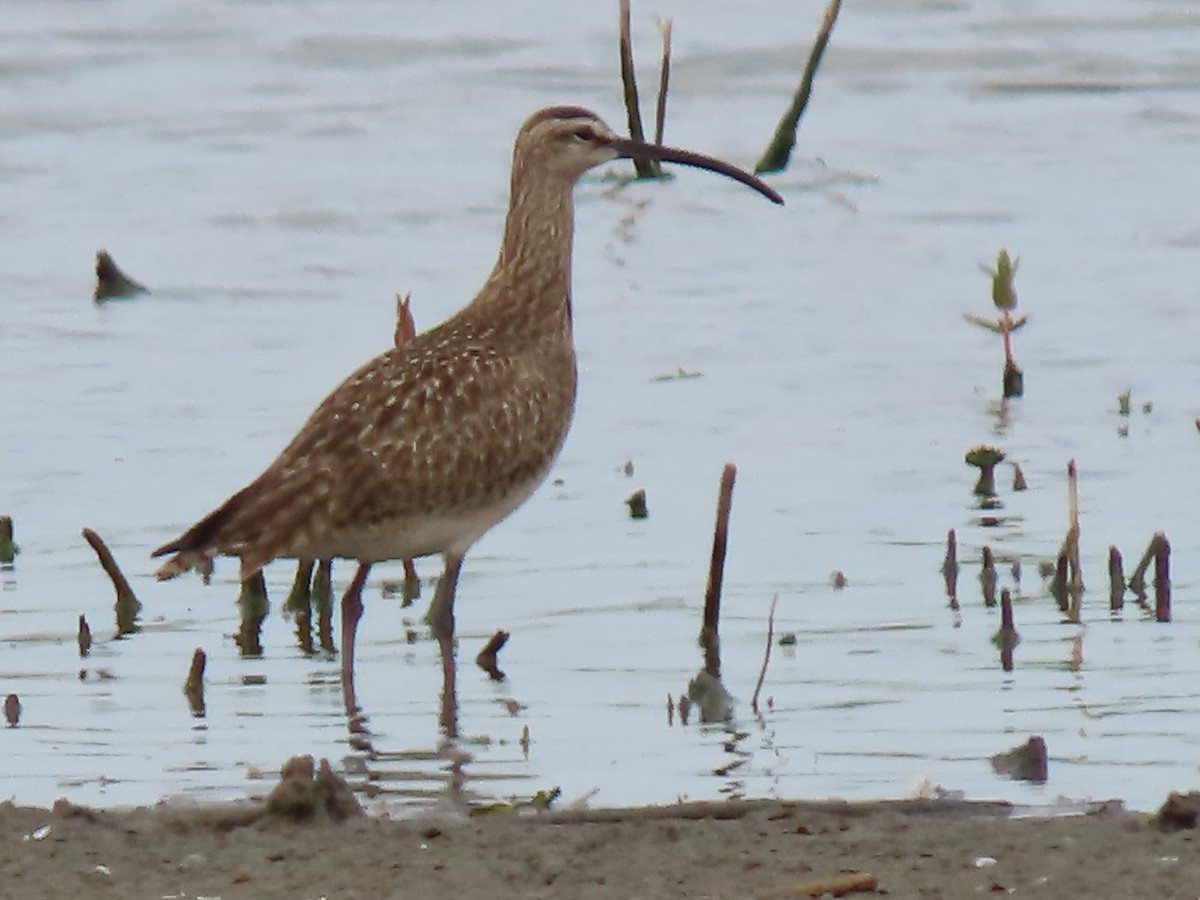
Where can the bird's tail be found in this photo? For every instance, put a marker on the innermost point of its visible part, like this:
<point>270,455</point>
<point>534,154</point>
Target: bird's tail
<point>180,563</point>
<point>199,543</point>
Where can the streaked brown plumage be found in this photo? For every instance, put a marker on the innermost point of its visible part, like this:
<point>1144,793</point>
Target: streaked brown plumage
<point>433,442</point>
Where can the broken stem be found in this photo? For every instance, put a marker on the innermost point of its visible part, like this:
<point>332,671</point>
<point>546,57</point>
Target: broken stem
<point>486,658</point>
<point>128,606</point>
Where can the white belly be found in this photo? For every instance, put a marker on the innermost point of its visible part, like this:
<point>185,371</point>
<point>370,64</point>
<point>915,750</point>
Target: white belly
<point>411,537</point>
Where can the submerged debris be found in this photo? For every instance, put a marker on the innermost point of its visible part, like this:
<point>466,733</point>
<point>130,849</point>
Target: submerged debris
<point>112,283</point>
<point>1028,762</point>
<point>8,549</point>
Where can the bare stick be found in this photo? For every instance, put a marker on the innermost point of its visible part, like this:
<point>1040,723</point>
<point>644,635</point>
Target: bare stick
<point>1162,579</point>
<point>716,573</point>
<point>664,79</point>
<point>762,674</point>
<point>1116,580</point>
<point>128,607</point>
<point>950,568</point>
<point>1073,532</point>
<point>987,577</point>
<point>775,157</point>
<point>645,168</point>
<point>1137,581</point>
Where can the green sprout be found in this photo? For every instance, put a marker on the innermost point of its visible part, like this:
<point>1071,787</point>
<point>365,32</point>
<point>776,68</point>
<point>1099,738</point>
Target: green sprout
<point>1004,297</point>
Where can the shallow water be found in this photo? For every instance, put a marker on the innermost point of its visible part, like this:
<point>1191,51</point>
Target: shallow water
<point>278,172</point>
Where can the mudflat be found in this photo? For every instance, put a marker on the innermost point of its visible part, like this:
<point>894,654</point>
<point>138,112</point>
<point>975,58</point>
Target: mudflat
<point>739,849</point>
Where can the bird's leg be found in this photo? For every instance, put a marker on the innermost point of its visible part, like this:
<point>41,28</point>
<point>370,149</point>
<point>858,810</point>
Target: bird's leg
<point>352,608</point>
<point>412,583</point>
<point>441,611</point>
<point>441,619</point>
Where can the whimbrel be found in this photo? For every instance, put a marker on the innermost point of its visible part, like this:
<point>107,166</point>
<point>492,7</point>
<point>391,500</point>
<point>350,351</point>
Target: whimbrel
<point>430,444</point>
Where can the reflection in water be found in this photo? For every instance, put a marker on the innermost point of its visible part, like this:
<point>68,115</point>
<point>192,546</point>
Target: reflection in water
<point>294,294</point>
<point>357,721</point>
<point>253,605</point>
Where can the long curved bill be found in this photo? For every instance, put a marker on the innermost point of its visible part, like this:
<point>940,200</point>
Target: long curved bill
<point>630,149</point>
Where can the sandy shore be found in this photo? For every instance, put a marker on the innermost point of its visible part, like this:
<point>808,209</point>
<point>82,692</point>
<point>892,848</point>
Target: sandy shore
<point>293,848</point>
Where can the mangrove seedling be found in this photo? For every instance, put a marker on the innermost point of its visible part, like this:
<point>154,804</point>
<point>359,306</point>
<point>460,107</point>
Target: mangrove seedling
<point>1123,405</point>
<point>1004,297</point>
<point>986,459</point>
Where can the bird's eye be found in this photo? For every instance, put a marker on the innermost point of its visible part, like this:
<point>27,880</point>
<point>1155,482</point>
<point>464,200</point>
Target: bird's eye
<point>583,133</point>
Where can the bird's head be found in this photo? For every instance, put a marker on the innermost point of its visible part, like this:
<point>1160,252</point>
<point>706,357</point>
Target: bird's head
<point>569,140</point>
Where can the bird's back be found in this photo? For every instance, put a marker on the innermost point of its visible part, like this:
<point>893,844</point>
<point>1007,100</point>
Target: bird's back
<point>419,451</point>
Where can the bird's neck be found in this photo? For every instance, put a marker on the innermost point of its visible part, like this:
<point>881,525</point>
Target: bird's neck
<point>532,277</point>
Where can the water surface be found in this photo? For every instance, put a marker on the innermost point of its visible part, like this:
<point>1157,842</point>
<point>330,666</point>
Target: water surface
<point>278,172</point>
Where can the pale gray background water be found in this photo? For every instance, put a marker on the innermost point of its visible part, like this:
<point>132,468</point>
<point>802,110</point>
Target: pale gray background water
<point>276,172</point>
